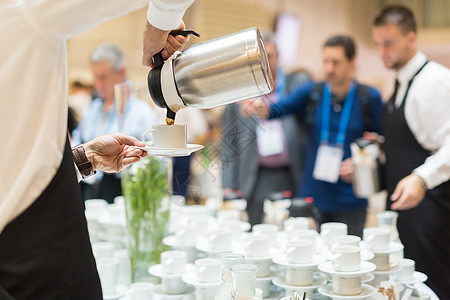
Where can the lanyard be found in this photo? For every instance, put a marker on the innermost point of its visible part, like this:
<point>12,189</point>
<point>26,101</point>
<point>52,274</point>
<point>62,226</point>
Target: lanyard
<point>281,82</point>
<point>345,116</point>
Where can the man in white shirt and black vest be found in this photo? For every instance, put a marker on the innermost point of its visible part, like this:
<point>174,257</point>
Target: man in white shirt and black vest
<point>416,126</point>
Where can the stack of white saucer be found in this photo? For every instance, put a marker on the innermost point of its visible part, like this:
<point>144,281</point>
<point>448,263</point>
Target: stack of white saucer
<point>378,240</point>
<point>184,239</point>
<point>299,262</point>
<point>257,249</point>
<point>171,271</point>
<point>346,270</point>
<point>206,278</point>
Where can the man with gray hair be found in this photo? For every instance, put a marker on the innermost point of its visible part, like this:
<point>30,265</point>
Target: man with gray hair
<point>102,116</point>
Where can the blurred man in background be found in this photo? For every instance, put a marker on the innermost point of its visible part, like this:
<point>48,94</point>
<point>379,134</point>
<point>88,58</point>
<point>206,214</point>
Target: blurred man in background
<point>103,116</point>
<point>335,112</point>
<point>260,157</point>
<point>416,126</point>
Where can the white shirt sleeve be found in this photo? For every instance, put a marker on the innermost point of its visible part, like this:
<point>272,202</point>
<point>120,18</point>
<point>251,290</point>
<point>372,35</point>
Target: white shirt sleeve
<point>79,176</point>
<point>76,16</point>
<point>428,115</point>
<point>167,14</point>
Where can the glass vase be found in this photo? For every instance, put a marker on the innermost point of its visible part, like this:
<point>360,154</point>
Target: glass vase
<point>244,281</point>
<point>146,187</point>
<point>226,287</point>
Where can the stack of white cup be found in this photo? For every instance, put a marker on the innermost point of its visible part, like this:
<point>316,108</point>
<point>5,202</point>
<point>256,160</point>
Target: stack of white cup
<point>257,253</point>
<point>346,258</point>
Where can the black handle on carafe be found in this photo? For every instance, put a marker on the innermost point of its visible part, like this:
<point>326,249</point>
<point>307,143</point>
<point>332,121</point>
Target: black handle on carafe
<point>158,61</point>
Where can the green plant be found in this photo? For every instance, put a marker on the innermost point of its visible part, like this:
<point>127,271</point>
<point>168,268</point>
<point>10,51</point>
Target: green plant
<point>146,190</point>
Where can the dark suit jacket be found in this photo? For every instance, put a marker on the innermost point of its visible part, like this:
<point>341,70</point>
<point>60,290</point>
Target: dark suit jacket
<point>239,151</point>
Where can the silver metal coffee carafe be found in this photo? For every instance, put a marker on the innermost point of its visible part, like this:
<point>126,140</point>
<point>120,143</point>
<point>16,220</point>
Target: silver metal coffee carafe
<point>366,168</point>
<point>212,73</point>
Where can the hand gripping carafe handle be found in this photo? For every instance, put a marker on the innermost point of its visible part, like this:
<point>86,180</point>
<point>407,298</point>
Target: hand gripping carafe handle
<point>154,78</point>
<point>157,58</point>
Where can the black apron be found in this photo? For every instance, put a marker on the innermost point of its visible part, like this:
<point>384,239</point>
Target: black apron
<point>425,229</point>
<point>45,252</point>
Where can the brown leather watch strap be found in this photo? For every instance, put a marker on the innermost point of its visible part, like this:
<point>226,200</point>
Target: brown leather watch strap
<point>82,162</point>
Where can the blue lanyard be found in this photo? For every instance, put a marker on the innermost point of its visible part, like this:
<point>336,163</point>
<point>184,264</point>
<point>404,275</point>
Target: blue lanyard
<point>281,82</point>
<point>345,116</point>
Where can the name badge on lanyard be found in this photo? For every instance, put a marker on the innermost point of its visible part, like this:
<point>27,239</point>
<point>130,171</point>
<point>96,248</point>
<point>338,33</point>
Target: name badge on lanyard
<point>269,138</point>
<point>329,157</point>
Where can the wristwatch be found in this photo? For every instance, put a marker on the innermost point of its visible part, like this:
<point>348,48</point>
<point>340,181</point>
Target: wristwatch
<point>82,162</point>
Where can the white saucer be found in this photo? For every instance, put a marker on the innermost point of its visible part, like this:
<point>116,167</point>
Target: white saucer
<point>281,260</point>
<point>279,281</point>
<point>368,277</point>
<point>173,241</point>
<point>394,269</point>
<point>366,267</point>
<point>417,277</point>
<point>191,278</point>
<point>185,296</point>
<point>245,226</point>
<point>121,290</point>
<point>107,220</point>
<point>327,290</point>
<point>257,259</point>
<point>157,270</point>
<point>172,151</point>
<point>272,275</point>
<point>203,246</point>
<point>276,293</point>
<point>393,247</point>
<point>365,254</point>
<point>365,278</point>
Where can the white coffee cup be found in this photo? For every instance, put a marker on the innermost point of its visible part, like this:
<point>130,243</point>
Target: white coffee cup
<point>263,266</point>
<point>227,214</point>
<point>166,136</point>
<point>173,285</point>
<point>352,240</point>
<point>141,290</point>
<point>187,235</point>
<point>220,239</point>
<point>257,245</point>
<point>123,258</point>
<point>264,286</point>
<point>208,270</point>
<point>408,267</point>
<point>346,258</point>
<point>269,229</point>
<point>259,294</point>
<point>205,293</point>
<point>299,252</point>
<point>103,249</point>
<point>377,238</point>
<point>234,225</point>
<point>329,231</point>
<point>346,286</point>
<point>303,234</point>
<point>295,223</point>
<point>299,276</point>
<point>173,261</point>
<point>108,272</point>
<point>381,261</point>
